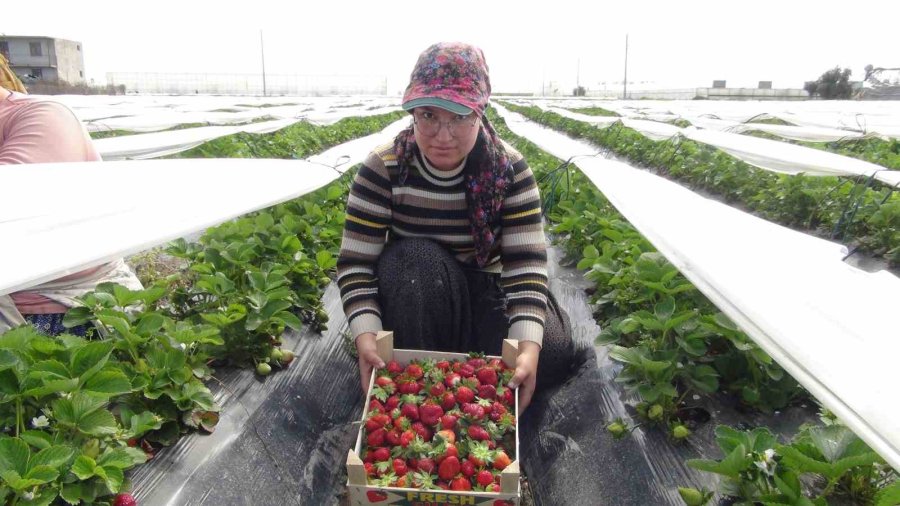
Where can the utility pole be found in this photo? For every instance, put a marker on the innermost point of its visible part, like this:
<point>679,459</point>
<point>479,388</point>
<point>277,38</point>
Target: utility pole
<point>625,81</point>
<point>578,74</point>
<point>262,51</point>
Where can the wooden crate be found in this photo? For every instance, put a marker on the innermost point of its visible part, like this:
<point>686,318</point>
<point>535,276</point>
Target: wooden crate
<point>363,494</point>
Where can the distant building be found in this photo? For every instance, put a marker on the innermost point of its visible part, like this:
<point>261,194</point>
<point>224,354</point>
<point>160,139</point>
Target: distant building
<point>44,58</point>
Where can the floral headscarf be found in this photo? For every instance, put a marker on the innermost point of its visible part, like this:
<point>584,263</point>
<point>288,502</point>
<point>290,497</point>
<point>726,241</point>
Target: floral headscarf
<point>457,73</point>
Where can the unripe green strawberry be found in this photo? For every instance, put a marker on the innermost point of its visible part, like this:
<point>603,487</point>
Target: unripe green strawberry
<point>287,356</point>
<point>277,355</point>
<point>616,429</point>
<point>680,432</point>
<point>263,369</point>
<point>655,412</point>
<point>692,496</point>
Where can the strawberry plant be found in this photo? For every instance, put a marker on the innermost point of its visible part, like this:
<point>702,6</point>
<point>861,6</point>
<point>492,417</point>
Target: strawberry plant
<point>820,463</point>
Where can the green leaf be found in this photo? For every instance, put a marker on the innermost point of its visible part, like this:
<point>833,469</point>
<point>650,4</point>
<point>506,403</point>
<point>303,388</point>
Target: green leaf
<point>72,493</point>
<point>730,466</point>
<point>91,358</point>
<point>665,308</point>
<point>115,458</point>
<point>888,496</point>
<point>52,387</point>
<point>83,467</point>
<point>290,320</point>
<point>14,455</point>
<point>98,423</point>
<point>37,438</point>
<point>77,316</point>
<point>110,383</point>
<point>149,324</point>
<point>53,368</point>
<point>115,477</point>
<point>140,424</point>
<point>54,456</point>
<point>42,474</point>
<point>590,251</point>
<point>325,260</point>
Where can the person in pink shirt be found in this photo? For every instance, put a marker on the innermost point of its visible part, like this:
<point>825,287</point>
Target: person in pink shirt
<point>38,130</point>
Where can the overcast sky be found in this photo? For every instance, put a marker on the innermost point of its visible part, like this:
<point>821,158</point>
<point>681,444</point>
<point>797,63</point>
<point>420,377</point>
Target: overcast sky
<point>671,43</point>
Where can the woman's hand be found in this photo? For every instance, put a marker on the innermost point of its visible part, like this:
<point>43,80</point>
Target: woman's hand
<point>368,358</point>
<point>526,372</point>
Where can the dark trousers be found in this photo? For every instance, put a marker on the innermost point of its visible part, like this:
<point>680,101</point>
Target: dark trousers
<point>431,302</point>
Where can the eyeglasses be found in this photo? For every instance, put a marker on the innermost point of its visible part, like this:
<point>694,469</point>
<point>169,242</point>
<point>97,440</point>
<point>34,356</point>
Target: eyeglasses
<point>429,125</point>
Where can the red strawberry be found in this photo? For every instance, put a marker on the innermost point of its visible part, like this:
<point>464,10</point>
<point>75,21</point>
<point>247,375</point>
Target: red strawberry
<point>410,411</point>
<point>497,364</point>
<point>401,423</point>
<point>501,460</point>
<point>495,487</point>
<point>394,367</point>
<point>415,371</point>
<point>448,401</point>
<point>487,376</point>
<point>448,422</point>
<point>485,478</point>
<point>506,396</point>
<point>452,379</point>
<point>449,468</point>
<point>443,485</point>
<point>124,500</point>
<point>487,392</point>
<point>407,437</point>
<point>473,411</point>
<point>392,403</point>
<point>370,468</point>
<point>466,371</point>
<point>476,362</point>
<point>426,465</point>
<point>464,394</point>
<point>392,437</point>
<point>408,387</point>
<point>381,454</point>
<point>400,468</point>
<point>376,422</point>
<point>497,411</point>
<point>443,365</point>
<point>437,390</point>
<point>376,496</point>
<point>384,381</point>
<point>376,438</point>
<point>478,433</point>
<point>430,413</point>
<point>467,468</point>
<point>460,484</point>
<point>423,432</point>
<point>376,405</point>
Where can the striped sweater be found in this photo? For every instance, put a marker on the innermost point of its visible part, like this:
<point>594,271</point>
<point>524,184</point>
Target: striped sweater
<point>432,204</point>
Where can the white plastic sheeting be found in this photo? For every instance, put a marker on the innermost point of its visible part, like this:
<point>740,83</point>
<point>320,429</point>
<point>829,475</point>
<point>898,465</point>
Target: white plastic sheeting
<point>159,144</point>
<point>135,205</point>
<point>763,153</point>
<point>831,326</point>
<point>880,118</point>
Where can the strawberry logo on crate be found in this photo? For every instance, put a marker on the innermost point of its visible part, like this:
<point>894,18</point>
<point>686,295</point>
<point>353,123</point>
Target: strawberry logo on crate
<point>376,496</point>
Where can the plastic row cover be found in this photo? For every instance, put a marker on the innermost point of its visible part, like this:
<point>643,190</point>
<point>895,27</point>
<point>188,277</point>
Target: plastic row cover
<point>159,144</point>
<point>141,204</point>
<point>766,154</point>
<point>831,326</point>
